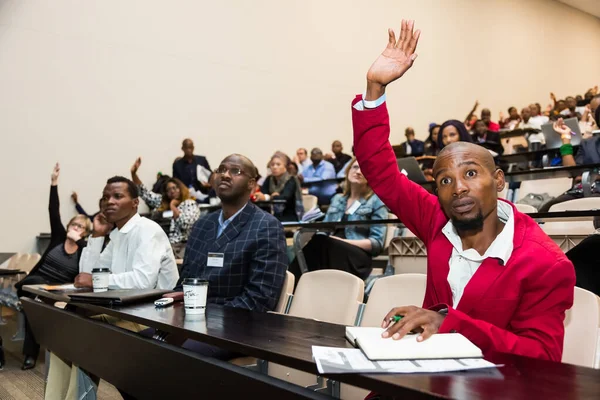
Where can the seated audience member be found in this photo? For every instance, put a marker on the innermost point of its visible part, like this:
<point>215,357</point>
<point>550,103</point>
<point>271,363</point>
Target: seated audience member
<point>588,153</point>
<point>176,199</point>
<point>488,139</point>
<point>59,264</point>
<point>528,122</point>
<point>511,121</point>
<point>139,254</point>
<point>536,114</point>
<point>302,159</point>
<point>557,111</point>
<point>492,274</point>
<point>292,169</point>
<point>349,248</point>
<point>338,158</point>
<point>471,116</point>
<point>280,185</point>
<point>412,146</point>
<point>569,111</point>
<point>250,241</point>
<point>186,168</point>
<point>452,131</point>
<point>318,171</point>
<point>486,116</point>
<point>161,180</point>
<point>430,145</point>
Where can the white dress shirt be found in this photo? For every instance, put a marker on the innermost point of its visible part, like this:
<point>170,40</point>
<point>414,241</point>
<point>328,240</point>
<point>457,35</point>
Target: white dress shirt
<point>139,256</point>
<point>464,263</point>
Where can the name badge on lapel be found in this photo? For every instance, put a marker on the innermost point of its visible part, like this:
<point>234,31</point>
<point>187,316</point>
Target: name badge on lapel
<point>355,206</point>
<point>215,260</point>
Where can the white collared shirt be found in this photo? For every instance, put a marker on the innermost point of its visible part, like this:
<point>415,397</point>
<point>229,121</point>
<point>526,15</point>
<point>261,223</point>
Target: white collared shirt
<point>139,256</point>
<point>464,263</point>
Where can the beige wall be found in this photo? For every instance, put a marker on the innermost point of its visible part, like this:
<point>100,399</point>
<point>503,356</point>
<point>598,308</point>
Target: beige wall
<point>93,84</point>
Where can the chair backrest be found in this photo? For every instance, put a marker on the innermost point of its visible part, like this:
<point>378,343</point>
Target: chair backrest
<point>393,291</point>
<point>309,202</point>
<point>585,203</point>
<point>286,292</point>
<point>581,329</point>
<point>554,187</point>
<point>19,261</point>
<point>525,208</point>
<point>12,262</point>
<point>30,262</point>
<point>328,295</point>
<point>572,228</point>
<point>389,234</point>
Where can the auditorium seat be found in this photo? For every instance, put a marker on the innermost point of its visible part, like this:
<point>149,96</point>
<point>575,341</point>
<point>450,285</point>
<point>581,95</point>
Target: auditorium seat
<point>326,295</point>
<point>581,329</point>
<point>387,293</point>
<point>567,234</point>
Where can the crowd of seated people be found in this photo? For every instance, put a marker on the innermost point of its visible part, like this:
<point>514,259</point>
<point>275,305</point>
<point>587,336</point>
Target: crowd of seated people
<point>464,221</point>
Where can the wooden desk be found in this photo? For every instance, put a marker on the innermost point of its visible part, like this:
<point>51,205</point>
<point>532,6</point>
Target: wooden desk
<point>287,340</point>
<point>549,173</point>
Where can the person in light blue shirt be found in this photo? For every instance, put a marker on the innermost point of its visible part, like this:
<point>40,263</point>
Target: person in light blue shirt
<point>320,170</point>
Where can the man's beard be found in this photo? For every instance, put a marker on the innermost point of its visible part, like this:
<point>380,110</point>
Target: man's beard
<point>473,224</point>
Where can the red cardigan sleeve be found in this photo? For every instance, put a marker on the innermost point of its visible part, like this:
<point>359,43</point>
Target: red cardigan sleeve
<point>415,207</point>
<point>536,327</point>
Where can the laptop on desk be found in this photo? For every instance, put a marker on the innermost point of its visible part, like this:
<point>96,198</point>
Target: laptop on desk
<point>553,140</point>
<point>410,167</point>
<point>119,297</point>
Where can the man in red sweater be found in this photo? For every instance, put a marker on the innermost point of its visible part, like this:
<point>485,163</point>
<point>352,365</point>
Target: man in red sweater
<point>492,274</point>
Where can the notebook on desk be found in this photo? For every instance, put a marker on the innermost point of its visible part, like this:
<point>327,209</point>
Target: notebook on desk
<point>438,346</point>
<point>118,297</point>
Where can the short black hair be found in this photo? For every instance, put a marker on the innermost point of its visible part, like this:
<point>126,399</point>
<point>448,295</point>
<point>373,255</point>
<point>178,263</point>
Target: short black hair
<point>131,187</point>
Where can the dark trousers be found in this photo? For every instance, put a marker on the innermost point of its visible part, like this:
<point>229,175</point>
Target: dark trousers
<point>30,346</point>
<point>585,258</point>
<point>324,252</point>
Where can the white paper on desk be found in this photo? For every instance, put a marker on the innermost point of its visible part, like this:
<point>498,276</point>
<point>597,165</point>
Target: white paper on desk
<point>339,360</point>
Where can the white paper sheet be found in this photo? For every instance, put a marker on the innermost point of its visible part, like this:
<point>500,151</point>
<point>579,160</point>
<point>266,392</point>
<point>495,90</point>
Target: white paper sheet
<point>332,360</point>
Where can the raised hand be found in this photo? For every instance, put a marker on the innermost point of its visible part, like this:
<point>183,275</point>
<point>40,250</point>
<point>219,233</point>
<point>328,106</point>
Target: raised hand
<point>55,174</point>
<point>136,165</point>
<point>395,60</point>
<point>564,131</point>
<point>74,197</point>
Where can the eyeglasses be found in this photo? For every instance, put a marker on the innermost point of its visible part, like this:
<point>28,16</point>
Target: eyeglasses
<point>233,171</point>
<point>76,225</point>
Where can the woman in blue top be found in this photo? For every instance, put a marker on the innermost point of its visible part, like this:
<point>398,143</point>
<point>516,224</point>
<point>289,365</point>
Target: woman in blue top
<point>350,248</point>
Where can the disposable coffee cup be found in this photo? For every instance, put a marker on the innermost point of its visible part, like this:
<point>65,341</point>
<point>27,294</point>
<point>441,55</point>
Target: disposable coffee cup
<point>100,279</point>
<point>195,292</point>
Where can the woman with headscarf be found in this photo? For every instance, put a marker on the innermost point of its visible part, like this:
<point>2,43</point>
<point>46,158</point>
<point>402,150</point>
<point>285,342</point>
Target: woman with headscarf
<point>452,131</point>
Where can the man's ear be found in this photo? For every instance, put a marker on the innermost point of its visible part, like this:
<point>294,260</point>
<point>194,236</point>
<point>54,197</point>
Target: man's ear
<point>136,202</point>
<point>499,179</point>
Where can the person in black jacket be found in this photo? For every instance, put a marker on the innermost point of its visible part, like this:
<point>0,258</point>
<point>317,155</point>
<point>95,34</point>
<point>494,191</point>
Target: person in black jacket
<point>60,262</point>
<point>186,168</point>
<point>281,185</point>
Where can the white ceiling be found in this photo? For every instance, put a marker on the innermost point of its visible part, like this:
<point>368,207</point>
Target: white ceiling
<point>588,6</point>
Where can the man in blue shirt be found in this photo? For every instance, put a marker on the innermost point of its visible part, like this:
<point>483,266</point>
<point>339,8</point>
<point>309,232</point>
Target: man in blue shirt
<point>320,177</point>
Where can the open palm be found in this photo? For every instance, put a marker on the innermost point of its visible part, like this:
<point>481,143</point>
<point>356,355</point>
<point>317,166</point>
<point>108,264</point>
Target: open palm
<point>397,57</point>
